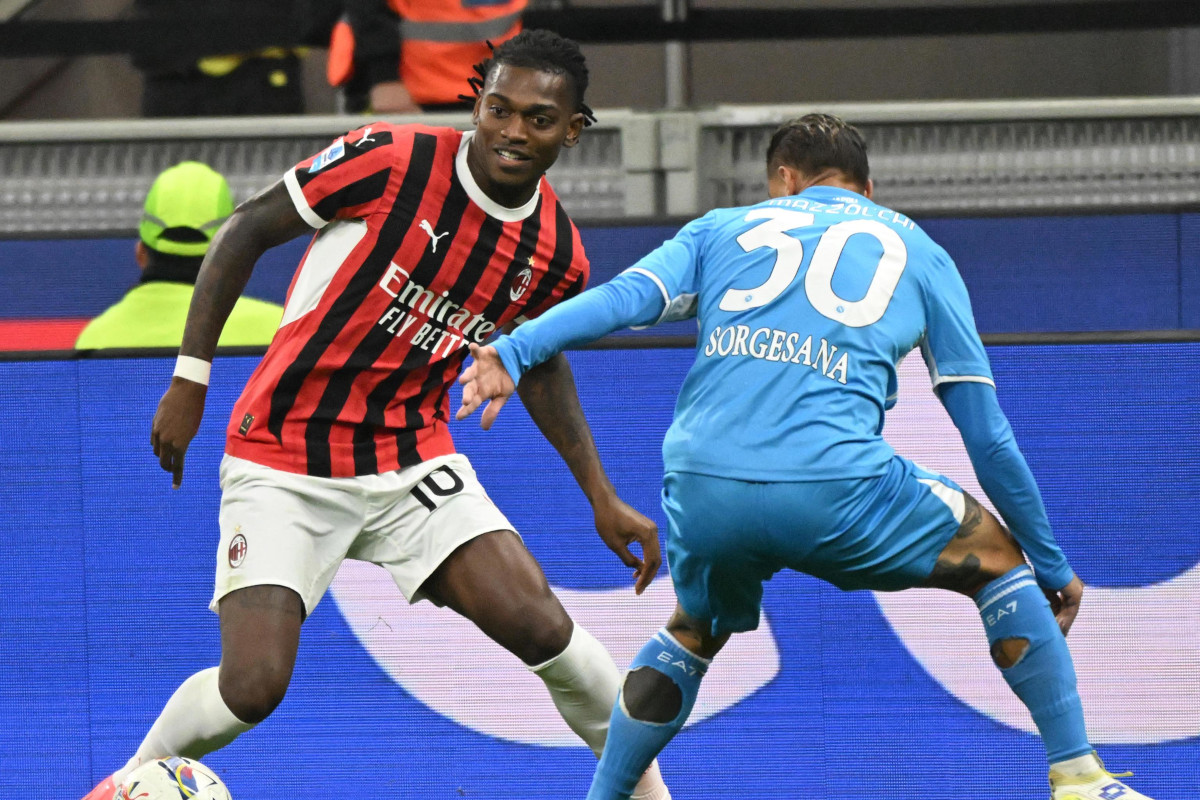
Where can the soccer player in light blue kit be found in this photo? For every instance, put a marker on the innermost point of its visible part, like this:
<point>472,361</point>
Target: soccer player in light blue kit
<point>806,303</point>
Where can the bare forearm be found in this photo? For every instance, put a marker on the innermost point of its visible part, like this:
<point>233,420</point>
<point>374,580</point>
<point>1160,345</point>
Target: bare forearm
<point>548,392</point>
<point>223,277</point>
<point>266,220</point>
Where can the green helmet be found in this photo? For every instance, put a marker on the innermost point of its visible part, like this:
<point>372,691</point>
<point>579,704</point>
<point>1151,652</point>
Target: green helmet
<point>186,205</point>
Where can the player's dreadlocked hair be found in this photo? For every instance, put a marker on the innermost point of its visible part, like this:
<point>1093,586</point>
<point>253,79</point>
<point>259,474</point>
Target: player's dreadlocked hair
<point>541,50</point>
<point>817,142</point>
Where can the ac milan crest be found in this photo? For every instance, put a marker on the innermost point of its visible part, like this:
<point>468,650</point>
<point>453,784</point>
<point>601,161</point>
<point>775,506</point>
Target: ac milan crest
<point>237,551</point>
<point>521,282</point>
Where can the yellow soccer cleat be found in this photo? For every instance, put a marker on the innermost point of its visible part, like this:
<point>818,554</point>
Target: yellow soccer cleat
<point>1099,785</point>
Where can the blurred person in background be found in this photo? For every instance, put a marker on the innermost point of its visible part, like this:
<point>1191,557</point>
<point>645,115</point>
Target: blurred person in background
<point>184,208</point>
<point>407,56</point>
<point>265,82</point>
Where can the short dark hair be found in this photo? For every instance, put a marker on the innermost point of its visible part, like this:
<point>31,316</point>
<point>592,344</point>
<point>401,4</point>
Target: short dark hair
<point>817,142</point>
<point>166,267</point>
<point>541,50</point>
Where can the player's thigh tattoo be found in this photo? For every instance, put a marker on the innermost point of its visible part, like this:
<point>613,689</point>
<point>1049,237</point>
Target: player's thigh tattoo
<point>966,574</point>
<point>972,518</point>
<point>965,577</point>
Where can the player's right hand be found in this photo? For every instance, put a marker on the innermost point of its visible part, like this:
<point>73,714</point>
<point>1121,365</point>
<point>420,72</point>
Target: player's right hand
<point>175,425</point>
<point>619,526</point>
<point>486,380</point>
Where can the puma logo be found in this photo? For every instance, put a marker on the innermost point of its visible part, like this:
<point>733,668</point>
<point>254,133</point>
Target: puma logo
<point>366,137</point>
<point>425,226</point>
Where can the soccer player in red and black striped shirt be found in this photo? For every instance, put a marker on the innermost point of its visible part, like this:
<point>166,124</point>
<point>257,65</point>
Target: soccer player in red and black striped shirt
<point>428,240</point>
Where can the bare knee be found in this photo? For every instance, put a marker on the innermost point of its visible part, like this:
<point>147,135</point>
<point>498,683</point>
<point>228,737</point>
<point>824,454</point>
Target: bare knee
<point>539,631</point>
<point>981,551</point>
<point>260,632</point>
<point>1009,652</point>
<point>253,692</point>
<point>650,696</point>
<point>493,581</point>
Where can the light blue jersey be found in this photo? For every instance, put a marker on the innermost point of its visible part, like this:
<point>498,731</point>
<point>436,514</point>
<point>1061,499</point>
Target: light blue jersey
<point>805,306</point>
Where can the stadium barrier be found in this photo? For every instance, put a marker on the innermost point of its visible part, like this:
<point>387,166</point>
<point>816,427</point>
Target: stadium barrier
<point>837,696</point>
<point>931,158</point>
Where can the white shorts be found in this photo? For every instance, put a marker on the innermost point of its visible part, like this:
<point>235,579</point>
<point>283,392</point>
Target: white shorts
<point>285,529</point>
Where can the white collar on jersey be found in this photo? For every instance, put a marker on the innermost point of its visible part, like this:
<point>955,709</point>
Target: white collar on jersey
<point>494,209</point>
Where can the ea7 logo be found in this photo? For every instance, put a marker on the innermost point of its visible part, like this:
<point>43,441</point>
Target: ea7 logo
<point>679,663</point>
<point>619,619</point>
<point>1126,697</point>
<point>1002,612</point>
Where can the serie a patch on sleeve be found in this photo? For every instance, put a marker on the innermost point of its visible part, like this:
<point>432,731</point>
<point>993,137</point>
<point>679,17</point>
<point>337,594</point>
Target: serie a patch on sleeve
<point>329,155</point>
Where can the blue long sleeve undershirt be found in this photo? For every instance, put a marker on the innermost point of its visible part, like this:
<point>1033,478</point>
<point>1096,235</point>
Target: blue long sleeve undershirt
<point>628,300</point>
<point>632,299</point>
<point>1005,477</point>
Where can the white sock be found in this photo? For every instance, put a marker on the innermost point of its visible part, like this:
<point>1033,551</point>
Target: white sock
<point>1078,767</point>
<point>584,682</point>
<point>194,722</point>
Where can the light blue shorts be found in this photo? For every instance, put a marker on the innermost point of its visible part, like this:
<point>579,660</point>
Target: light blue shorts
<point>726,537</point>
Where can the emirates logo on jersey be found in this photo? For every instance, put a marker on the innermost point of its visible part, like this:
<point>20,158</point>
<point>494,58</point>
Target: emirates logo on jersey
<point>521,282</point>
<point>237,550</point>
<point>428,319</point>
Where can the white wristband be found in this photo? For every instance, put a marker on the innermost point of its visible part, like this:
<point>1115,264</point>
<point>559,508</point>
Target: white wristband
<point>191,369</point>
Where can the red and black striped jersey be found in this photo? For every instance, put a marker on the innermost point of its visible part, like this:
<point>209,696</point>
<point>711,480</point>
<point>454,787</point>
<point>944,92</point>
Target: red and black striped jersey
<point>411,263</point>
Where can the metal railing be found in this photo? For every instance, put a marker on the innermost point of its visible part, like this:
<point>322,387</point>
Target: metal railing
<point>75,178</point>
<point>979,157</point>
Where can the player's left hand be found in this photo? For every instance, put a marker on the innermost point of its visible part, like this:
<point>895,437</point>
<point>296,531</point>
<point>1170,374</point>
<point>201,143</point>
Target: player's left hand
<point>486,380</point>
<point>1065,603</point>
<point>620,525</point>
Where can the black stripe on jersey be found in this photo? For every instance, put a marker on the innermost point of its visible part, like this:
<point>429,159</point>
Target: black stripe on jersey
<point>372,346</point>
<point>575,288</point>
<point>352,151</point>
<point>531,231</point>
<point>390,236</point>
<point>472,273</point>
<point>425,274</point>
<point>560,262</point>
<point>363,190</point>
<point>370,139</point>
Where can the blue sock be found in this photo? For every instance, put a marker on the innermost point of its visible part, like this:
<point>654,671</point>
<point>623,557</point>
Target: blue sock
<point>1013,607</point>
<point>633,744</point>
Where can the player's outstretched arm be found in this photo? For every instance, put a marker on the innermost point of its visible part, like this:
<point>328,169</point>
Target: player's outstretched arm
<point>531,358</point>
<point>266,220</point>
<point>548,392</point>
<point>627,299</point>
<point>1005,476</point>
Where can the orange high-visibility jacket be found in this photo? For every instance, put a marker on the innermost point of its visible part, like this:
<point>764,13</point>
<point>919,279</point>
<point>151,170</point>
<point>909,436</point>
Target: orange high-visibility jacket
<point>441,40</point>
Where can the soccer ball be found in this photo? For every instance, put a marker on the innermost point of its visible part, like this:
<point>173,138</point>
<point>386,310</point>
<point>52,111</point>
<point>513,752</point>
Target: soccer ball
<point>172,778</point>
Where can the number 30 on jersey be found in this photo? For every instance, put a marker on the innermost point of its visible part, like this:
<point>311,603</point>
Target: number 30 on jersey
<point>818,280</point>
